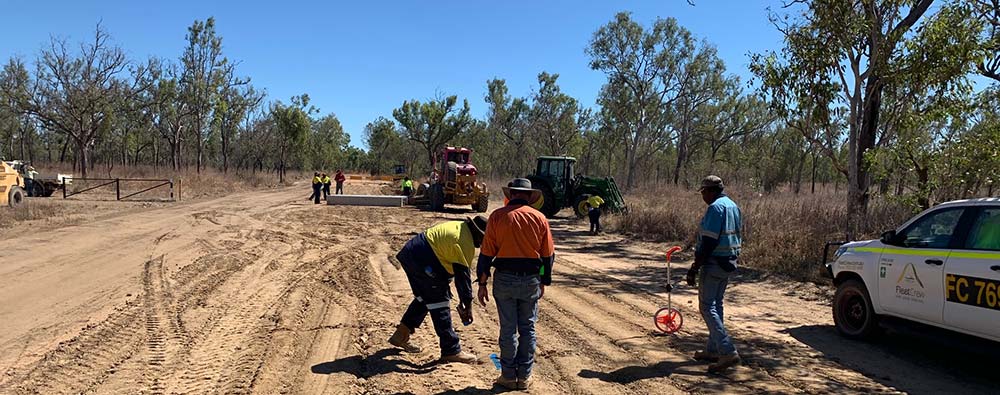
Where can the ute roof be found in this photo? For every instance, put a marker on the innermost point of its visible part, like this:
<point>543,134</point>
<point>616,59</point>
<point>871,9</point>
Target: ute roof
<point>558,157</point>
<point>970,202</point>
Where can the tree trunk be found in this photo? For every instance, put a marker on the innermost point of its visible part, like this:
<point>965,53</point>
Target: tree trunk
<point>813,188</point>
<point>62,152</point>
<point>225,153</point>
<point>81,148</point>
<point>681,156</point>
<point>798,172</point>
<point>923,188</point>
<point>860,177</point>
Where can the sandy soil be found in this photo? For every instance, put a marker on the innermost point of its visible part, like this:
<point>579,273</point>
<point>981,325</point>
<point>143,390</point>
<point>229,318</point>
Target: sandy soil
<point>268,293</point>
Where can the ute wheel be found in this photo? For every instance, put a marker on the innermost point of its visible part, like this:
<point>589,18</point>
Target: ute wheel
<point>852,311</point>
<point>482,204</point>
<point>37,189</point>
<point>15,197</point>
<point>49,192</point>
<point>437,197</point>
<point>549,204</point>
<point>580,206</point>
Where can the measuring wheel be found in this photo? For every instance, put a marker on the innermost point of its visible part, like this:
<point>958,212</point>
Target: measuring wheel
<point>668,319</point>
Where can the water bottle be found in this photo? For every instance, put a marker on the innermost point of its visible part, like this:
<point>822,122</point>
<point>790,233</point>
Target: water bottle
<point>496,360</point>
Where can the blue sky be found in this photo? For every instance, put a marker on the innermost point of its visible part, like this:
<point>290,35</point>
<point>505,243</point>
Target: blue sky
<point>361,59</point>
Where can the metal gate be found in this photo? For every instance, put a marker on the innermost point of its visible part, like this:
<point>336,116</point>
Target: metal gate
<point>159,183</point>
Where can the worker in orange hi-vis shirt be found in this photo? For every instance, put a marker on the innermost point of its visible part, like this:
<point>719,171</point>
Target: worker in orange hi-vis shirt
<point>518,243</point>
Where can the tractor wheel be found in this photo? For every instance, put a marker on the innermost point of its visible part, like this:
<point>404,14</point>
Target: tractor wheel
<point>580,205</point>
<point>16,196</point>
<point>482,204</point>
<point>549,204</point>
<point>437,197</point>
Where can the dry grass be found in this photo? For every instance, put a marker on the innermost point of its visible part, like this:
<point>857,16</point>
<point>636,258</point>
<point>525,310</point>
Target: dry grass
<point>209,183</point>
<point>783,233</point>
<point>36,209</point>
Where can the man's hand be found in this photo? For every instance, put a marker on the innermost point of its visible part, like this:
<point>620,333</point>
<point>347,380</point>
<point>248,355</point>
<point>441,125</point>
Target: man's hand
<point>542,293</point>
<point>465,312</point>
<point>484,295</point>
<point>692,277</point>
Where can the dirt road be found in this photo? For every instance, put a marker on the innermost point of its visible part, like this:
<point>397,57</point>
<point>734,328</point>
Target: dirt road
<point>268,293</point>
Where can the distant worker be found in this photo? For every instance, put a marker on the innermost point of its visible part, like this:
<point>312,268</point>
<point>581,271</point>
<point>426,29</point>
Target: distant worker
<point>29,180</point>
<point>339,178</point>
<point>407,186</point>
<point>326,185</point>
<point>317,185</point>
<point>430,260</point>
<point>519,245</point>
<point>716,258</point>
<point>594,212</point>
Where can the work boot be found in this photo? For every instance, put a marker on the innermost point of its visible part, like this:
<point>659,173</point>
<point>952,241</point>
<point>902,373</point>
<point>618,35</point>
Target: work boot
<point>524,384</point>
<point>504,382</point>
<point>401,339</point>
<point>706,356</point>
<point>461,357</point>
<point>725,362</point>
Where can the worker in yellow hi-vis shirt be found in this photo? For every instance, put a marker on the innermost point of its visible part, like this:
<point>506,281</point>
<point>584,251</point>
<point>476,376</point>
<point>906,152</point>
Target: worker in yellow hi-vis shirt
<point>595,202</point>
<point>430,261</point>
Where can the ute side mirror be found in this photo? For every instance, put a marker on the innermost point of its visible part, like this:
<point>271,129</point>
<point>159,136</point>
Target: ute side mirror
<point>888,237</point>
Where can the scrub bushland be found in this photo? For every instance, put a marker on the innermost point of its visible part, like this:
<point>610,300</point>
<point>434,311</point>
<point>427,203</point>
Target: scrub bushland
<point>783,232</point>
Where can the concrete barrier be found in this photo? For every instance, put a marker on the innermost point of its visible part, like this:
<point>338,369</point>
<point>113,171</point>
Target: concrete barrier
<point>366,200</point>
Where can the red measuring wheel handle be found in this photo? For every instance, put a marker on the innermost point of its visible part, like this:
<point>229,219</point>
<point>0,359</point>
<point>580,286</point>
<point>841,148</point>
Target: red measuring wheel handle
<point>671,251</point>
<point>668,320</point>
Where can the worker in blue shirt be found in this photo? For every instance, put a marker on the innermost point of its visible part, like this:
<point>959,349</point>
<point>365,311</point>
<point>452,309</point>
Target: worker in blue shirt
<point>715,259</point>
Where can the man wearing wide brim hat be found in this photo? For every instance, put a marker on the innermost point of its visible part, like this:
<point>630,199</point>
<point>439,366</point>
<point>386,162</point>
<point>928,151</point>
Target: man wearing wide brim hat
<point>430,260</point>
<point>534,196</point>
<point>519,245</point>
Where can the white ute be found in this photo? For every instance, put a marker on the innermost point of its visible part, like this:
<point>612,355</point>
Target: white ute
<point>940,268</point>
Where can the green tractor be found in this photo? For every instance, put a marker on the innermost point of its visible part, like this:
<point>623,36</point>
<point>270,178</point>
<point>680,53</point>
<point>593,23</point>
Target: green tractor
<point>562,188</point>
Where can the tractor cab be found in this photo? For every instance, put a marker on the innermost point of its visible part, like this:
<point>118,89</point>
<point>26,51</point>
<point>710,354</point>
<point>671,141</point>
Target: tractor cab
<point>557,171</point>
<point>561,187</point>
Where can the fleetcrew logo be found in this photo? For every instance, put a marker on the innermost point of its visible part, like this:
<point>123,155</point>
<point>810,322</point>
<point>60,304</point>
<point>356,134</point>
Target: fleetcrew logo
<point>908,286</point>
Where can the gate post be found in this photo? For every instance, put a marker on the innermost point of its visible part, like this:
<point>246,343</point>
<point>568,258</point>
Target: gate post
<point>64,187</point>
<point>118,189</point>
<point>171,189</point>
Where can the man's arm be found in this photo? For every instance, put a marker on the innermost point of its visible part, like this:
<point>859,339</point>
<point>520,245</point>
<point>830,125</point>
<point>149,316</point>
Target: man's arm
<point>704,252</point>
<point>546,273</point>
<point>463,283</point>
<point>483,266</point>
<point>708,239</point>
<point>547,254</point>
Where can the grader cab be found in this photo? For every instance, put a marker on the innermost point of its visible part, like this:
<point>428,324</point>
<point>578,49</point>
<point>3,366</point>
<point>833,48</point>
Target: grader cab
<point>454,181</point>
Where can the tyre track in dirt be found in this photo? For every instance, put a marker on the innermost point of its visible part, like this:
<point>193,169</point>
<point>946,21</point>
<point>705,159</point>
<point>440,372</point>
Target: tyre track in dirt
<point>807,374</point>
<point>253,294</point>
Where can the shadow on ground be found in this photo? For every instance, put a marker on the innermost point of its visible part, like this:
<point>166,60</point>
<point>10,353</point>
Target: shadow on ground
<point>373,365</point>
<point>475,391</point>
<point>631,374</point>
<point>928,362</point>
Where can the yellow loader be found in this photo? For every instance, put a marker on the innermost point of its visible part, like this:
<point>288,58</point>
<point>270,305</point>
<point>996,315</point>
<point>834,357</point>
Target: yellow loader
<point>11,186</point>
